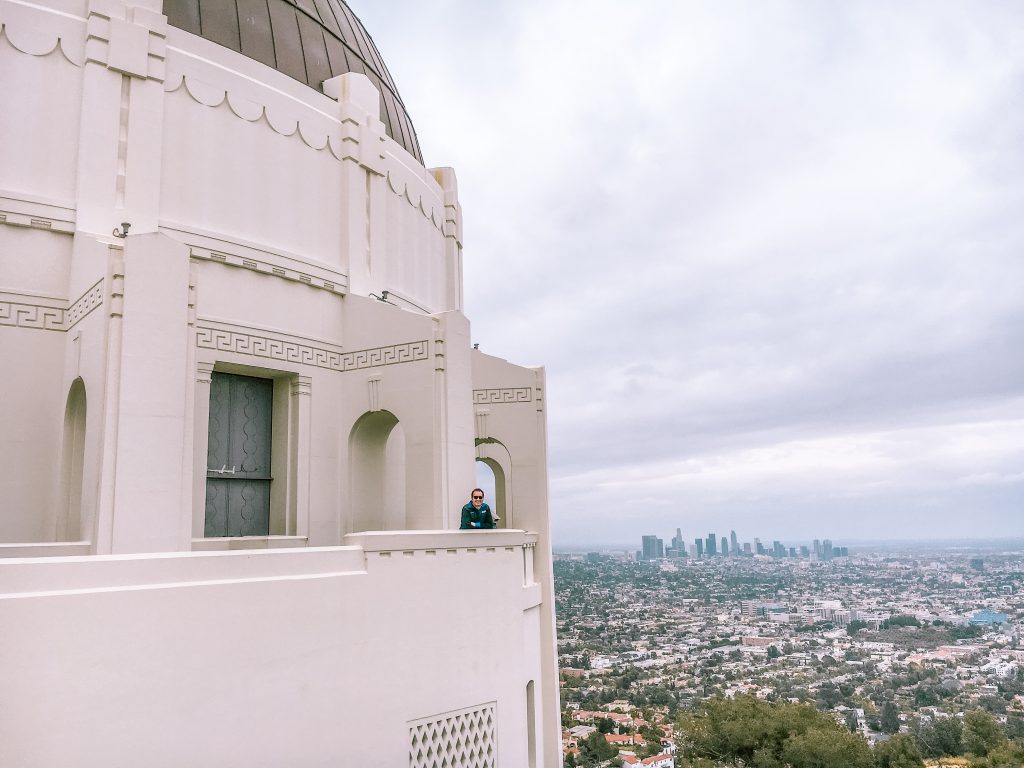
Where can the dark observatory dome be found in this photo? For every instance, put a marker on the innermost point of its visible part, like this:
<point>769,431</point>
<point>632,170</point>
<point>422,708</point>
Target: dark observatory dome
<point>310,40</point>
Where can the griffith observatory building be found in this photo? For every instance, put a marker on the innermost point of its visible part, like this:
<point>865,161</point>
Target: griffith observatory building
<point>241,410</point>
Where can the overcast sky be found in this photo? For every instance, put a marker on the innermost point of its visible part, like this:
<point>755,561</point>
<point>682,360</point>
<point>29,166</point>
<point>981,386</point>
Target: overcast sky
<point>770,253</point>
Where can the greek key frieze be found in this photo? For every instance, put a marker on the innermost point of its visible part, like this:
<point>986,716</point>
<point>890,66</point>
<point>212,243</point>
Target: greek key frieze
<point>36,316</point>
<point>307,354</point>
<point>509,395</point>
<point>46,317</point>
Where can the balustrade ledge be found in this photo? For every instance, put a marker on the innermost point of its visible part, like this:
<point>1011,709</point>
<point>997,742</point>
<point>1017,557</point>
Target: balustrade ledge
<point>406,541</point>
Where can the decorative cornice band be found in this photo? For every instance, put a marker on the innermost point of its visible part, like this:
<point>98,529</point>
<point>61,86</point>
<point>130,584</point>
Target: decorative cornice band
<point>271,269</point>
<point>294,352</point>
<point>510,395</point>
<point>35,316</point>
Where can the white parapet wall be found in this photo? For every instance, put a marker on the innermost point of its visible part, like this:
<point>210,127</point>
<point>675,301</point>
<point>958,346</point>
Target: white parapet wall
<point>333,656</point>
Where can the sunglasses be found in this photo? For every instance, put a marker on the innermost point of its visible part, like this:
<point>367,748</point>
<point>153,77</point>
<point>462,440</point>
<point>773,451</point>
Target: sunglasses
<point>478,497</point>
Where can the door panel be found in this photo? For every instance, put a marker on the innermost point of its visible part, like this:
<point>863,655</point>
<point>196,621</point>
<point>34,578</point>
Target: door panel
<point>238,458</point>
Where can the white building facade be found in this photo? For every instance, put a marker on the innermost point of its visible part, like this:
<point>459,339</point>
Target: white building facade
<point>236,433</point>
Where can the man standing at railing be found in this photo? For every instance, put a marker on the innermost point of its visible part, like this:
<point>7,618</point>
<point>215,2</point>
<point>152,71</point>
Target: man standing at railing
<point>476,514</point>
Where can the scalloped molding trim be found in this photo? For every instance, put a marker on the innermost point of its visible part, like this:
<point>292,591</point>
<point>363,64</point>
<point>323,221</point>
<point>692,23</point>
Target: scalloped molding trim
<point>345,137</point>
<point>40,31</point>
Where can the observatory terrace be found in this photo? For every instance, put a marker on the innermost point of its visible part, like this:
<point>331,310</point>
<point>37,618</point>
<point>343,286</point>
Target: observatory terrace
<point>304,651</point>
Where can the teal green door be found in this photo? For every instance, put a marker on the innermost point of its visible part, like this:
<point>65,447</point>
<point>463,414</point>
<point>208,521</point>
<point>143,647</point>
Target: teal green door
<point>238,458</point>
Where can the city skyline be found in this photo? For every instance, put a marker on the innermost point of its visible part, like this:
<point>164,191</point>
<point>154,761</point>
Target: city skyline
<point>652,547</point>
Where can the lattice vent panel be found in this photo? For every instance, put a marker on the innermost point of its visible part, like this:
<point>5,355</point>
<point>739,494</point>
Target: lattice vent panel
<point>465,738</point>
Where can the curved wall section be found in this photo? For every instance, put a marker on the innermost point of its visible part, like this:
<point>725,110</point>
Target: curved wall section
<point>340,206</point>
<point>309,41</point>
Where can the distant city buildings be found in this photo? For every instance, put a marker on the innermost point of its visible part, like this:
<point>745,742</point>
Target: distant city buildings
<point>653,548</point>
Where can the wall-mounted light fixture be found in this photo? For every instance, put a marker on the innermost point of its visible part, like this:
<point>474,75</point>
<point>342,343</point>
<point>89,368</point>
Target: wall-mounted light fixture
<point>123,231</point>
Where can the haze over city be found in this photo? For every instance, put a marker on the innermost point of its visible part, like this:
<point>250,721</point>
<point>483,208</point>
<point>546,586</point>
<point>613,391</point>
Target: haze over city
<point>769,253</point>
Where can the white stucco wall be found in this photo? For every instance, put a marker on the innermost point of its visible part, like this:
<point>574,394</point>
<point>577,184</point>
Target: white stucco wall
<point>269,222</point>
<point>313,657</point>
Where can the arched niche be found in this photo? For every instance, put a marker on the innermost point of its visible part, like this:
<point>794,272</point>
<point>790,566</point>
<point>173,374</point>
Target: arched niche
<point>377,473</point>
<point>494,459</point>
<point>69,513</point>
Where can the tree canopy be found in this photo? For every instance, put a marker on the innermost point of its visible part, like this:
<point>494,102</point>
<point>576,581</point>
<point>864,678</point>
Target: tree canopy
<point>750,732</point>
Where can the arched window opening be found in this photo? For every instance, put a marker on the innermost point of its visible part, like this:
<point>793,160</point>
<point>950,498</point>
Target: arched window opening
<point>377,473</point>
<point>491,477</point>
<point>531,725</point>
<point>69,518</point>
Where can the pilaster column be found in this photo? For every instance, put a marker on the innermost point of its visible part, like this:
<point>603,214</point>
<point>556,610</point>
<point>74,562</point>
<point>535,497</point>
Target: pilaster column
<point>200,432</point>
<point>454,420</point>
<point>301,407</point>
<point>149,494</point>
<point>362,174</point>
<point>121,133</point>
<point>452,231</point>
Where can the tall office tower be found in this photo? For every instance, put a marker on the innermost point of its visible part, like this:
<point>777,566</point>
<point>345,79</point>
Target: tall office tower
<point>700,547</point>
<point>792,552</point>
<point>677,541</point>
<point>725,547</point>
<point>826,549</point>
<point>734,546</point>
<point>712,549</point>
<point>693,551</point>
<point>649,547</point>
<point>746,548</point>
<point>659,548</point>
<point>817,548</point>
<point>804,551</point>
<point>759,547</point>
<point>777,549</point>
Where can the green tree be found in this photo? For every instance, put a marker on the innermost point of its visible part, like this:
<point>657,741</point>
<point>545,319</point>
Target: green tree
<point>824,748</point>
<point>828,695</point>
<point>941,738</point>
<point>595,749</point>
<point>751,732</point>
<point>898,752</point>
<point>890,718</point>
<point>925,696</point>
<point>851,721</point>
<point>773,652</point>
<point>855,626</point>
<point>1008,755</point>
<point>982,733</point>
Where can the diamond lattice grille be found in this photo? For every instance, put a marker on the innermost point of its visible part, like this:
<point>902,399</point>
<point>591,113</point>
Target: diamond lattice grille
<point>461,739</point>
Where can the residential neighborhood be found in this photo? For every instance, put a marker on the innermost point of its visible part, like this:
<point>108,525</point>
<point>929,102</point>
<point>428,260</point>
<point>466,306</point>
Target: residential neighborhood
<point>886,640</point>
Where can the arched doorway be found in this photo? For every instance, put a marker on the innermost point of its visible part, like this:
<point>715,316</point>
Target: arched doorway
<point>493,467</point>
<point>377,473</point>
<point>69,518</point>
